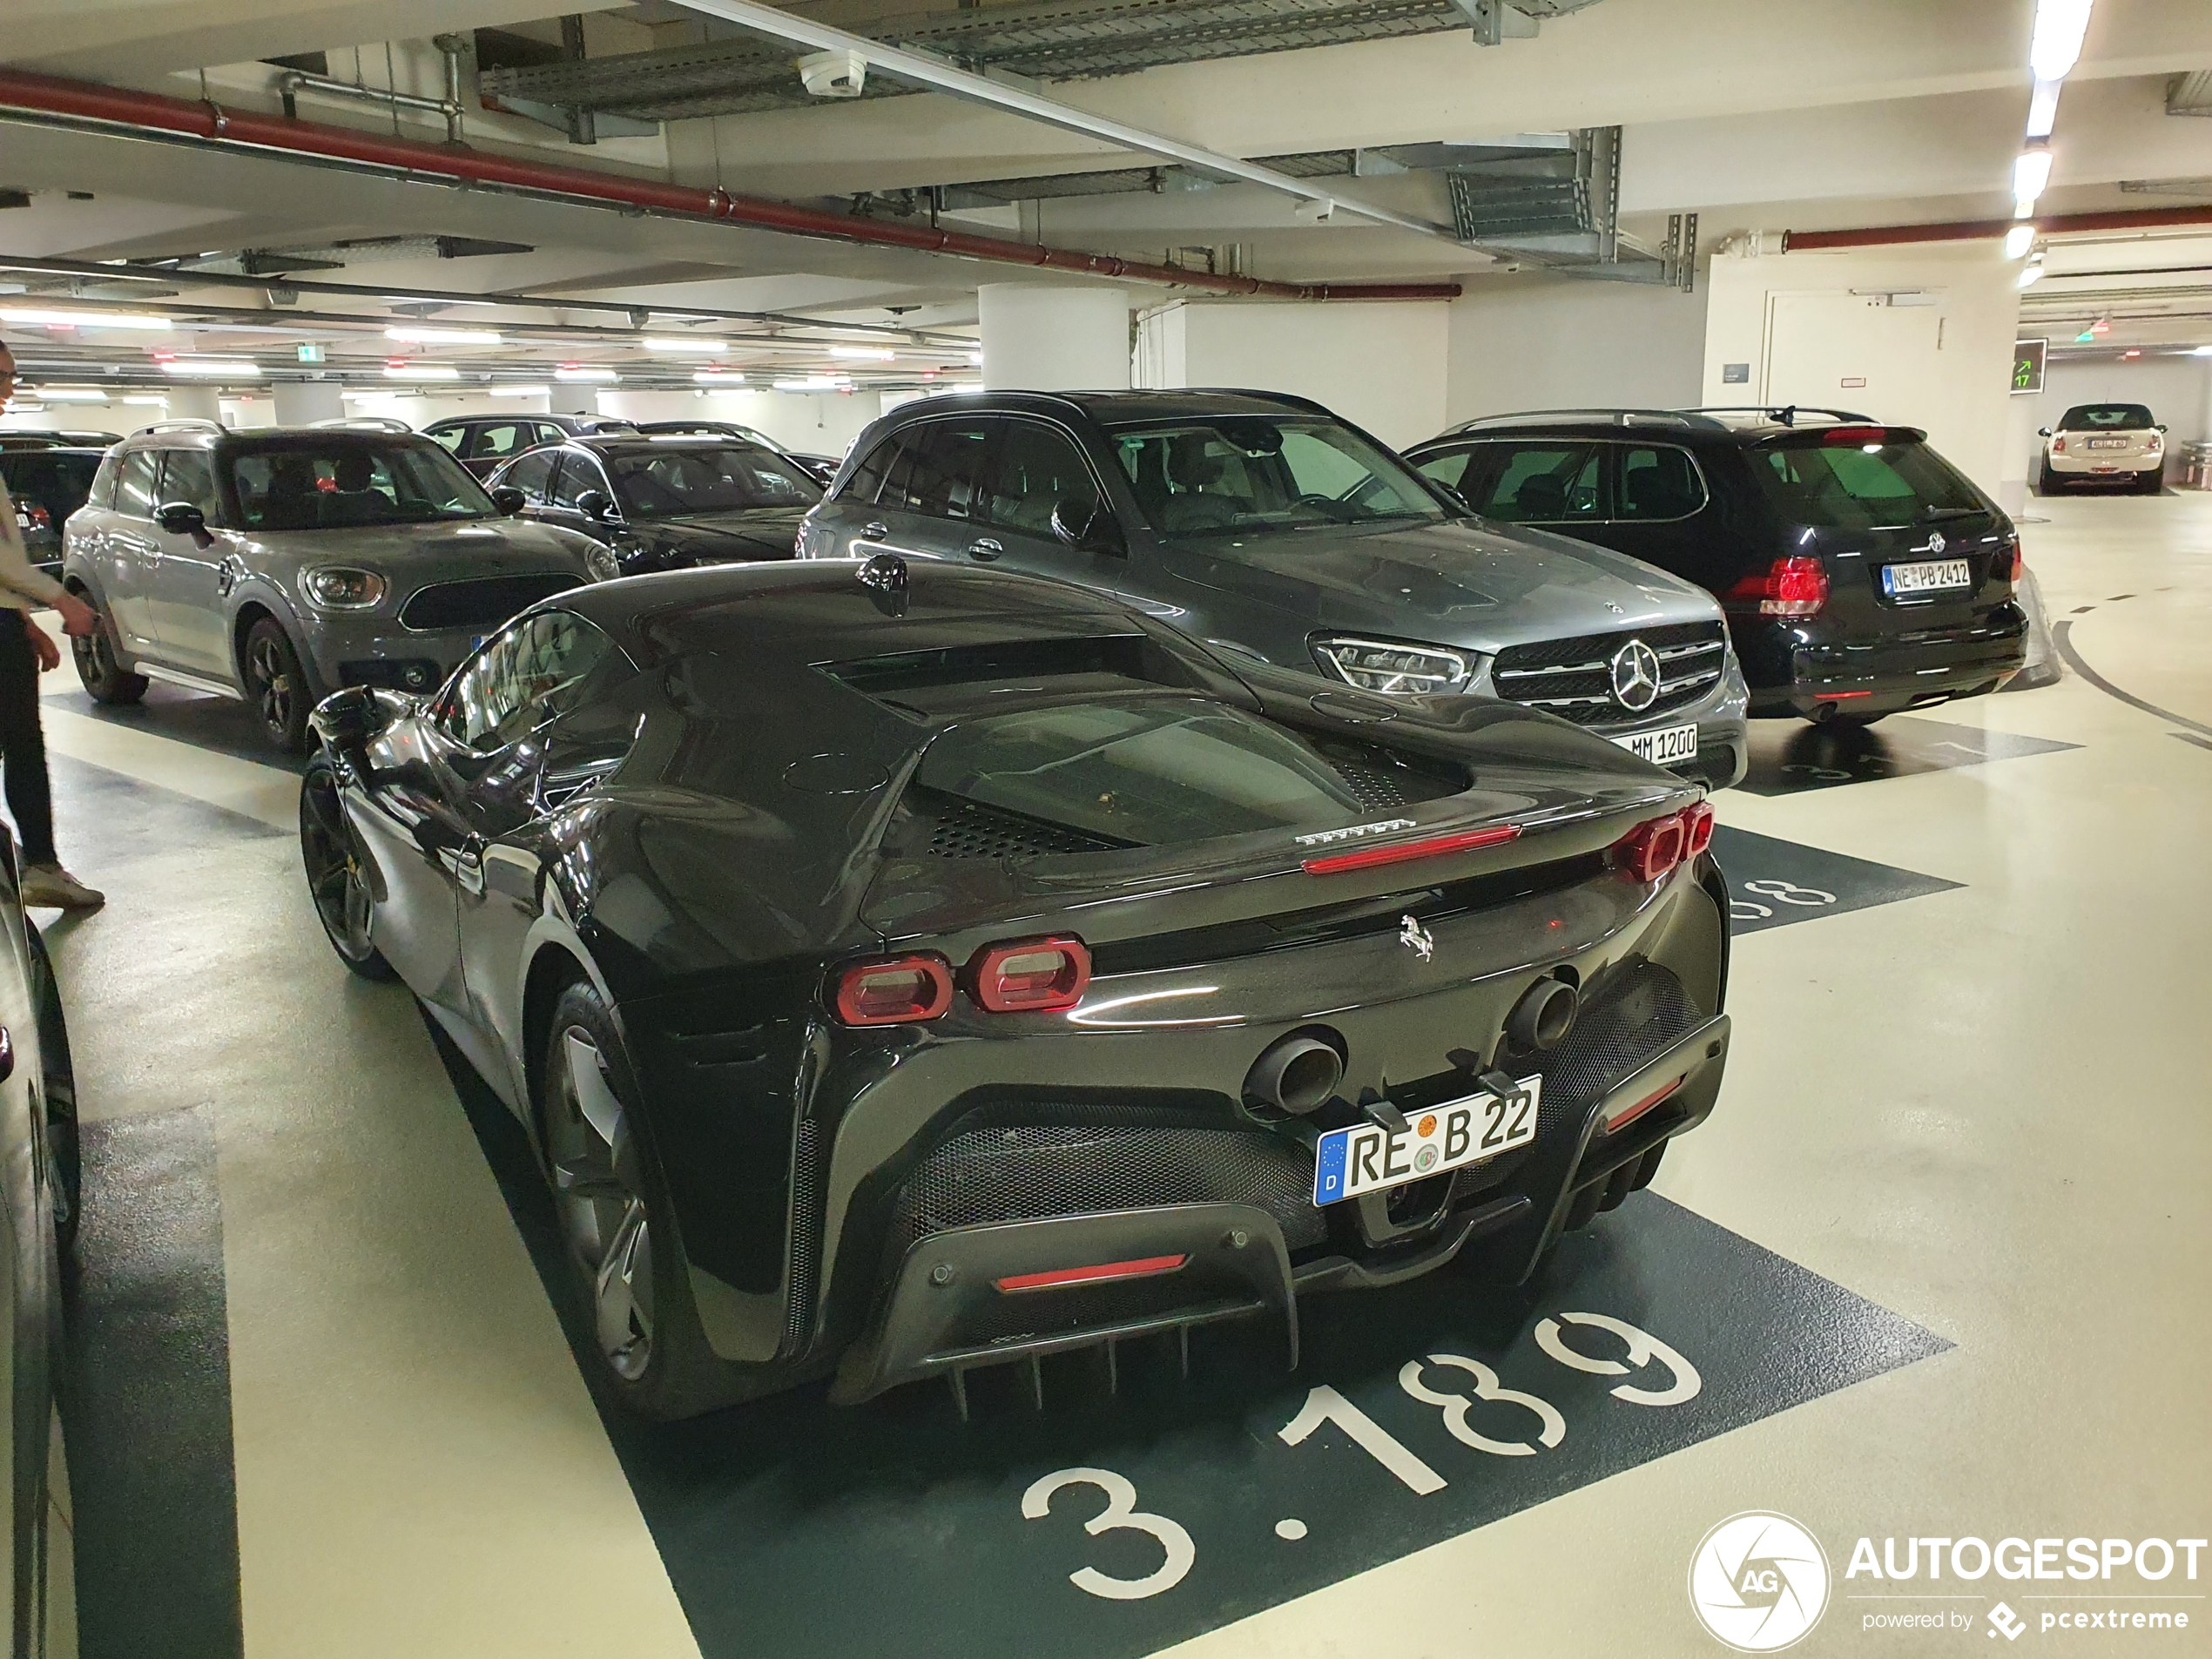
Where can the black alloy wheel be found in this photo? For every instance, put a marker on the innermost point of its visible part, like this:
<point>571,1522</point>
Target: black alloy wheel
<point>627,1264</point>
<point>336,878</point>
<point>277,687</point>
<point>105,680</point>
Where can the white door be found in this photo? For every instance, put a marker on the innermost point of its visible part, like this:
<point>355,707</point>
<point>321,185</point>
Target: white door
<point>1848,351</point>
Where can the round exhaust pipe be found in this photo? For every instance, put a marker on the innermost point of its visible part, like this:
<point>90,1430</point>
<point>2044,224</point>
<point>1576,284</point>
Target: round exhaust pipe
<point>1294,1074</point>
<point>1543,1016</point>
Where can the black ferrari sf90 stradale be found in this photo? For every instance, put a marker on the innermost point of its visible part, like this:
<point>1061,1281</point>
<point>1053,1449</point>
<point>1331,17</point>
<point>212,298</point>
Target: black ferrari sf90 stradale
<point>901,972</point>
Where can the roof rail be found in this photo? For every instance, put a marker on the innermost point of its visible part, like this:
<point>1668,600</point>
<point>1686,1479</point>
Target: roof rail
<point>1617,417</point>
<point>182,423</point>
<point>1785,414</point>
<point>364,423</point>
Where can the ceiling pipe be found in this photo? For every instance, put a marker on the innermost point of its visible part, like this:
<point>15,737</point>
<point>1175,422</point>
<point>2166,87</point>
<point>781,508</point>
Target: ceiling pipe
<point>1975,230</point>
<point>151,115</point>
<point>939,76</point>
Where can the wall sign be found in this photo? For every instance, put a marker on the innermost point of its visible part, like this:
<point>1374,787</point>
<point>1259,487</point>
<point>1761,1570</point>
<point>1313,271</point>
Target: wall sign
<point>2027,364</point>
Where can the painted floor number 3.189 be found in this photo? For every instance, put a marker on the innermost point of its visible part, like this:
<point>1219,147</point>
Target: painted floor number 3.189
<point>1325,1405</point>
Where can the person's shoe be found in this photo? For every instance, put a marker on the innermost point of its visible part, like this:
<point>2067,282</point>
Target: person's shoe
<point>50,886</point>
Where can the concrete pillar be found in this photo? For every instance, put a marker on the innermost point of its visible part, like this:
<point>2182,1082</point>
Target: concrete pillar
<point>305,403</point>
<point>572,397</point>
<point>1043,337</point>
<point>2021,446</point>
<point>194,403</point>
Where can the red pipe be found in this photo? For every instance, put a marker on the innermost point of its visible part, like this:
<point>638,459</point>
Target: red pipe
<point>151,112</point>
<point>1971,230</point>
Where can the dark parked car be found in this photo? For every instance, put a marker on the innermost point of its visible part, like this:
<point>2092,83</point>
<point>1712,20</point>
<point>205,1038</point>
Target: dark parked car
<point>484,444</point>
<point>902,969</point>
<point>666,504</point>
<point>274,566</point>
<point>1265,525</point>
<point>56,438</point>
<point>1862,573</point>
<point>821,466</point>
<point>48,485</point>
<point>38,1200</point>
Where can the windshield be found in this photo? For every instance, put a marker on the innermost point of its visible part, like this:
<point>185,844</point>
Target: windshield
<point>339,486</point>
<point>709,478</point>
<point>1149,771</point>
<point>1255,473</point>
<point>1849,486</point>
<point>2106,417</point>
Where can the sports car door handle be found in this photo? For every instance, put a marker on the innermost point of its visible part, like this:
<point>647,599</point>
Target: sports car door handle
<point>875,532</point>
<point>984,547</point>
<point>468,865</point>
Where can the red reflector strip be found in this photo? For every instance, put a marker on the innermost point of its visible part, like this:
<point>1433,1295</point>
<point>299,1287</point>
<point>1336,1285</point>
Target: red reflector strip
<point>1838,697</point>
<point>1624,1119</point>
<point>1368,857</point>
<point>1104,1273</point>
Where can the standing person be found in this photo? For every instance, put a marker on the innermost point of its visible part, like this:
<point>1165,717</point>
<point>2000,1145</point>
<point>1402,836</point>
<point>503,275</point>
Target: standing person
<point>25,654</point>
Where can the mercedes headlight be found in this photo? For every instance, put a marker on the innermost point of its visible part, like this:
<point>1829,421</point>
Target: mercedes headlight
<point>1380,665</point>
<point>343,587</point>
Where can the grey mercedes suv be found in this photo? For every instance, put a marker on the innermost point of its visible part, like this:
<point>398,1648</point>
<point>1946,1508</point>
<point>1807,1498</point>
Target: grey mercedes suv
<point>1264,524</point>
<point>279,565</point>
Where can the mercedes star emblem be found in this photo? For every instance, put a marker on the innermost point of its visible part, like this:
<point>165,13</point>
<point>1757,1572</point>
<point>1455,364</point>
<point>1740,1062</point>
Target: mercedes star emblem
<point>1635,676</point>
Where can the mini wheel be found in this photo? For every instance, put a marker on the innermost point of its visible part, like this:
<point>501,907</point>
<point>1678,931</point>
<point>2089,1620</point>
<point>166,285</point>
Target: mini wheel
<point>104,679</point>
<point>277,687</point>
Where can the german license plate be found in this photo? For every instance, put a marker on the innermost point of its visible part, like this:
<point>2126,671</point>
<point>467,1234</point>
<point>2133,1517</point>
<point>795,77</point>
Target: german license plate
<point>1369,1158</point>
<point>1925,576</point>
<point>2108,443</point>
<point>1664,747</point>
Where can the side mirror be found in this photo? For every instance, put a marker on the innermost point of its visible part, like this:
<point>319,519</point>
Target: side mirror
<point>2042,432</point>
<point>1087,524</point>
<point>347,719</point>
<point>2161,427</point>
<point>181,518</point>
<point>509,500</point>
<point>593,504</point>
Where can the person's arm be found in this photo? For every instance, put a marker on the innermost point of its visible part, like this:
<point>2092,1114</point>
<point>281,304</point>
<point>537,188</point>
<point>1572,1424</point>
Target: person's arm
<point>20,576</point>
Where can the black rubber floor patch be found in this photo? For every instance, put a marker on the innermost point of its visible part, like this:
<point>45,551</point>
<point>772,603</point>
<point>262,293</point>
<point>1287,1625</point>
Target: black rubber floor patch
<point>146,1402</point>
<point>222,725</point>
<point>1788,756</point>
<point>1773,882</point>
<point>1118,1521</point>
<point>110,811</point>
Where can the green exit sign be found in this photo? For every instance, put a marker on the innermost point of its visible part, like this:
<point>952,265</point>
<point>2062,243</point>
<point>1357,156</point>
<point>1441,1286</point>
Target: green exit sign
<point>311,354</point>
<point>2027,364</point>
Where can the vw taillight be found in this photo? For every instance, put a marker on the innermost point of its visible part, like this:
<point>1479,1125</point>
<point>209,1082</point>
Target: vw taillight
<point>2019,562</point>
<point>895,990</point>
<point>1796,586</point>
<point>1031,975</point>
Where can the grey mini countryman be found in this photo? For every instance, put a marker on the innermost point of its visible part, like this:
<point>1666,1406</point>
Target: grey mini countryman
<point>279,565</point>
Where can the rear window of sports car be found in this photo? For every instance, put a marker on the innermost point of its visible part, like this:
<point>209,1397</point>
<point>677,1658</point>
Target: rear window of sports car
<point>1145,771</point>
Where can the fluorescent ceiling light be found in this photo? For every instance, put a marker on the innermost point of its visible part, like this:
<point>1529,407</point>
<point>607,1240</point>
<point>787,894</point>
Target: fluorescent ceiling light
<point>220,367</point>
<point>868,353</point>
<point>2030,173</point>
<point>710,347</point>
<point>813,383</point>
<point>84,319</point>
<point>519,391</point>
<point>69,394</point>
<point>579,371</point>
<point>2018,240</point>
<point>421,372</point>
<point>976,357</point>
<point>2200,350</point>
<point>2043,109</point>
<point>716,377</point>
<point>2031,273</point>
<point>2056,45</point>
<point>447,336</point>
<point>161,403</point>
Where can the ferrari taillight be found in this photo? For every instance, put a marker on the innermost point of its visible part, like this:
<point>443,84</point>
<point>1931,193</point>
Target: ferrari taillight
<point>893,990</point>
<point>1650,850</point>
<point>1796,586</point>
<point>1031,975</point>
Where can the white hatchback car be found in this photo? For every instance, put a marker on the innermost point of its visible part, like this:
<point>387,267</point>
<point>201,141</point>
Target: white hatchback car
<point>2104,443</point>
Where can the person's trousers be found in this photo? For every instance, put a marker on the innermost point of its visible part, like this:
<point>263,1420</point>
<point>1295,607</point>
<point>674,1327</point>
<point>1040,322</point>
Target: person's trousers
<point>23,741</point>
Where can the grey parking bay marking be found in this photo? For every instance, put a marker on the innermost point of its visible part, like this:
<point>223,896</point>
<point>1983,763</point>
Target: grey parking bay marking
<point>1786,758</point>
<point>1773,882</point>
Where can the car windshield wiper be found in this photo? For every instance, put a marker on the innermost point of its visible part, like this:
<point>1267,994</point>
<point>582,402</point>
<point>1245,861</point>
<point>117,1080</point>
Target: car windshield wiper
<point>1937,515</point>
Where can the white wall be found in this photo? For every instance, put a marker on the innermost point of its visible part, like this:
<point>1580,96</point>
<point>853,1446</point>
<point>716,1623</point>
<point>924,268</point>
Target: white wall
<point>1041,337</point>
<point>1533,342</point>
<point>1380,365</point>
<point>1957,389</point>
<point>2177,387</point>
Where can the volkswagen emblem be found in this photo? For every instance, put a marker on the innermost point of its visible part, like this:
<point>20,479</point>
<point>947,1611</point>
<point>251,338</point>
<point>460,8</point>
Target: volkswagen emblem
<point>1635,676</point>
<point>1935,542</point>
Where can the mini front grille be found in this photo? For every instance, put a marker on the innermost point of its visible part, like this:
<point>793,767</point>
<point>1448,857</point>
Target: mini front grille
<point>1573,677</point>
<point>1032,1170</point>
<point>482,603</point>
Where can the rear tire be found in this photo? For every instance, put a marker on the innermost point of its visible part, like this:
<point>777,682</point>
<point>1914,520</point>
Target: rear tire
<point>277,687</point>
<point>57,1093</point>
<point>645,1343</point>
<point>105,680</point>
<point>336,882</point>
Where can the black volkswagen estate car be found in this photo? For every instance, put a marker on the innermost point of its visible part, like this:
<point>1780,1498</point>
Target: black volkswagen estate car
<point>1861,572</point>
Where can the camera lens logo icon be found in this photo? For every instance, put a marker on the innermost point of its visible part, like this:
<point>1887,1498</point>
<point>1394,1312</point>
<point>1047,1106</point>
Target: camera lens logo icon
<point>1759,1581</point>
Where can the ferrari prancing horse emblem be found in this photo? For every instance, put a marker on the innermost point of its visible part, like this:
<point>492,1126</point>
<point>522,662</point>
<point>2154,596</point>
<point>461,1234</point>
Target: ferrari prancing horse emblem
<point>1416,938</point>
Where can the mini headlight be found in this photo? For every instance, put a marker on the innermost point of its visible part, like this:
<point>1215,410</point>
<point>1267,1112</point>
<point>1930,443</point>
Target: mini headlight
<point>605,562</point>
<point>1380,665</point>
<point>340,587</point>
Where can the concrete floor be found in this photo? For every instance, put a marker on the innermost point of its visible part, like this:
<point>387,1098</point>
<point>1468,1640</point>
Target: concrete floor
<point>1983,1110</point>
